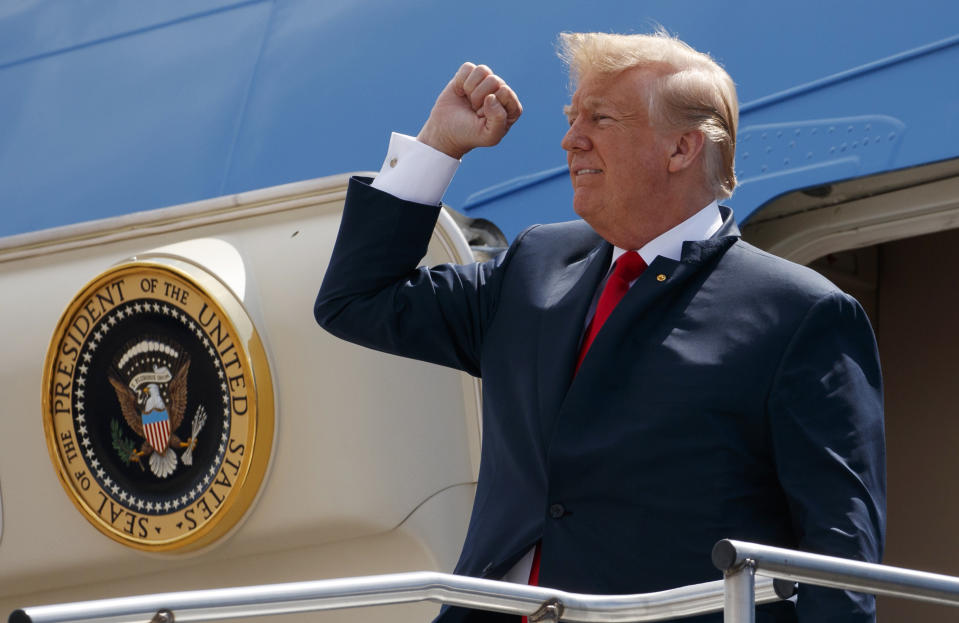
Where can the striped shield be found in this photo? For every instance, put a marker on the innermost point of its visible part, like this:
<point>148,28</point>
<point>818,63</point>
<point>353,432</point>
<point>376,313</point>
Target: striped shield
<point>156,425</point>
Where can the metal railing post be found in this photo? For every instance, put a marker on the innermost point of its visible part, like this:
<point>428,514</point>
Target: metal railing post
<point>739,587</point>
<point>820,570</point>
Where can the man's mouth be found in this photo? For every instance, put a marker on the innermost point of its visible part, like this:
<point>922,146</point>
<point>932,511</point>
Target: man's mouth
<point>588,171</point>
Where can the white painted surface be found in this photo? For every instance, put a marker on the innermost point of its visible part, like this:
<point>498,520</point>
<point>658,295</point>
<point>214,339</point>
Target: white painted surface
<point>375,457</point>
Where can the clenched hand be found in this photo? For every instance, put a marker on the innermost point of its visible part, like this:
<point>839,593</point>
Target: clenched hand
<point>476,109</point>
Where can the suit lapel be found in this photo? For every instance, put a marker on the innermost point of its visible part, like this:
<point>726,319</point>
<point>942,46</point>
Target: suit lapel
<point>562,327</point>
<point>571,295</point>
<point>647,308</point>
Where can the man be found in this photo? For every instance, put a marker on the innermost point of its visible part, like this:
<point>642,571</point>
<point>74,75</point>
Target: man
<point>630,420</point>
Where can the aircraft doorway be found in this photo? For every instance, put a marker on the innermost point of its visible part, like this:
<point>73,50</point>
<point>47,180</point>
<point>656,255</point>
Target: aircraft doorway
<point>897,252</point>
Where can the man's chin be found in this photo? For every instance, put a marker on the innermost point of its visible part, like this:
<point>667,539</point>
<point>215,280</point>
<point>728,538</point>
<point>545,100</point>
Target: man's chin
<point>587,210</point>
<point>583,208</point>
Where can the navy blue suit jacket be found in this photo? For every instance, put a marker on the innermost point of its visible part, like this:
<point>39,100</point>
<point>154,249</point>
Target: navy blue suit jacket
<point>731,394</point>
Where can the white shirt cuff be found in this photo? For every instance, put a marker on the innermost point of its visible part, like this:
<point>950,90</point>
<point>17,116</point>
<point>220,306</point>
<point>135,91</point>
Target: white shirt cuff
<point>414,171</point>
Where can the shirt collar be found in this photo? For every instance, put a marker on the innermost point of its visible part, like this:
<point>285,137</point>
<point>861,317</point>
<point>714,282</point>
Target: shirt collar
<point>699,226</point>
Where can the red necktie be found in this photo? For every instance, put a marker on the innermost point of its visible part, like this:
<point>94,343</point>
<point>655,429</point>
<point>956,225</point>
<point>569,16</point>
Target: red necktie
<point>629,266</point>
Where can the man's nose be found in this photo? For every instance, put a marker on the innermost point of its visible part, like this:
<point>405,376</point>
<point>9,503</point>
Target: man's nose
<point>575,140</point>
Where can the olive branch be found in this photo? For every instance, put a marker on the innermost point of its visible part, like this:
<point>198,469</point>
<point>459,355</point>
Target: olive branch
<point>121,444</point>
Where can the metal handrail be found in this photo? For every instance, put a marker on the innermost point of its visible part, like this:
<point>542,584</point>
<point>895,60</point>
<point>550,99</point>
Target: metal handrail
<point>749,571</point>
<point>540,604</point>
<point>740,561</point>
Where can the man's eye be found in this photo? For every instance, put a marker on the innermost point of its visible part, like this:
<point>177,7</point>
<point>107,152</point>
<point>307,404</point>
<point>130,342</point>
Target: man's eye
<point>600,117</point>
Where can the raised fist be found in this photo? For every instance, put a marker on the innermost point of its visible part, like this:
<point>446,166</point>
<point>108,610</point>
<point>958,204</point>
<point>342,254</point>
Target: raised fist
<point>476,109</point>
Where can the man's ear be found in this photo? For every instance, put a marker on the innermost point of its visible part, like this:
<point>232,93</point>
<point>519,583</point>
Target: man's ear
<point>686,149</point>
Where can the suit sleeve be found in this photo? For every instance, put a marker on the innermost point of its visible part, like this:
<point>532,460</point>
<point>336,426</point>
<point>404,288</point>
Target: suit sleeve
<point>374,294</point>
<point>826,421</point>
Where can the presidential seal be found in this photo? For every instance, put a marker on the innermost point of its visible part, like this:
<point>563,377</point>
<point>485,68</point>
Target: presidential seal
<point>158,405</point>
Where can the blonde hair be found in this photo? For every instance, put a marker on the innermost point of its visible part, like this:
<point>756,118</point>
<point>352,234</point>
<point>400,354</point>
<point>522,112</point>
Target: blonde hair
<point>692,93</point>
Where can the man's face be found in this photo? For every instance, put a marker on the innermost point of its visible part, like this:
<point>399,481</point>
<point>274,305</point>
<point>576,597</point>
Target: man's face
<point>618,163</point>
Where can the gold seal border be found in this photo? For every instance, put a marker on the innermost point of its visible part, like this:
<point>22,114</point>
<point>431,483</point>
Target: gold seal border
<point>260,427</point>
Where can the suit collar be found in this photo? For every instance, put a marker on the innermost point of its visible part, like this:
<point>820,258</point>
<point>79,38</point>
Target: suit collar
<point>702,226</point>
<point>729,227</point>
<point>700,250</point>
<point>669,244</point>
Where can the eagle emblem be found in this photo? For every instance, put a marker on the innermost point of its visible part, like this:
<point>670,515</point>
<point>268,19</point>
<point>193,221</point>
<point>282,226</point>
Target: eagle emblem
<point>153,402</point>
